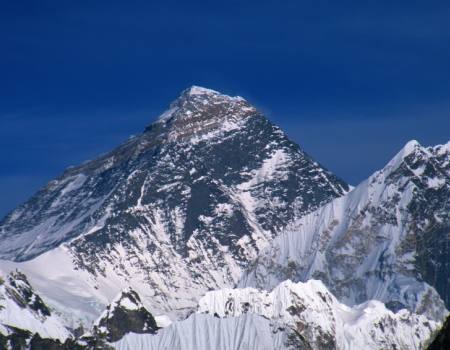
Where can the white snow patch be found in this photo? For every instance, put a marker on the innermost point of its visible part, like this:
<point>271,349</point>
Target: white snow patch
<point>435,182</point>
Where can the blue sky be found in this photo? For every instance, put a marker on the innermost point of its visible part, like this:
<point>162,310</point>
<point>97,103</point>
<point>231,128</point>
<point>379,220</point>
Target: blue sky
<point>350,81</point>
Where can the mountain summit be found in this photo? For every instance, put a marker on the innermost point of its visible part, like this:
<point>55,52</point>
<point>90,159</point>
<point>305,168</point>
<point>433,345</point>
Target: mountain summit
<point>200,113</point>
<point>178,210</point>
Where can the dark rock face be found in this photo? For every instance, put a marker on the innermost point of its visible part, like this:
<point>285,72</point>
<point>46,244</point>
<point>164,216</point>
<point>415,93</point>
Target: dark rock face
<point>20,339</point>
<point>442,339</point>
<point>38,343</point>
<point>15,340</point>
<point>126,314</point>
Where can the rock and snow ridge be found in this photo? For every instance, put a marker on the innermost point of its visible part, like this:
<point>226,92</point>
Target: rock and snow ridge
<point>178,210</point>
<point>183,121</point>
<point>125,314</point>
<point>292,316</point>
<point>186,206</point>
<point>387,239</point>
<point>22,309</point>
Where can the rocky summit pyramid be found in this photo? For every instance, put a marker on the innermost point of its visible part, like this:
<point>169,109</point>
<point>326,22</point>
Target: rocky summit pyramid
<point>178,210</point>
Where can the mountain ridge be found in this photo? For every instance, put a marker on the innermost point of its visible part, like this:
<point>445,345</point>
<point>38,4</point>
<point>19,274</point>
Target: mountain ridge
<point>383,240</point>
<point>159,231</point>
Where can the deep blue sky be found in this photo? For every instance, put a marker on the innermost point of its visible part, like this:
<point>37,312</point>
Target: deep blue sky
<point>351,82</point>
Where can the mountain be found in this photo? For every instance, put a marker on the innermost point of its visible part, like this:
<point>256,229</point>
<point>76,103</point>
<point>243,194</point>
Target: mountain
<point>388,239</point>
<point>24,317</point>
<point>172,213</point>
<point>125,314</point>
<point>26,322</point>
<point>292,316</point>
<point>140,247</point>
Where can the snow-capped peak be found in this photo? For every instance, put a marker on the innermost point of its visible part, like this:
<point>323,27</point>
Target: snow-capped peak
<point>410,147</point>
<point>125,314</point>
<point>197,97</point>
<point>195,90</point>
<point>128,299</point>
<point>386,239</point>
<point>198,90</point>
<point>202,114</point>
<point>417,161</point>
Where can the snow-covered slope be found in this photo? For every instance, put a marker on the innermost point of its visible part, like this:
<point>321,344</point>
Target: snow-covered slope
<point>174,212</point>
<point>22,309</point>
<point>292,316</point>
<point>388,239</point>
<point>204,332</point>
